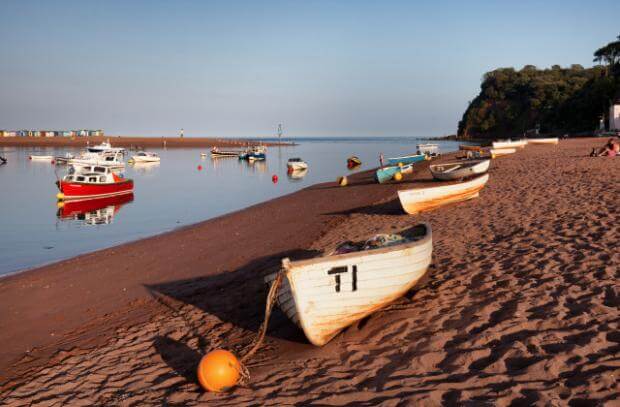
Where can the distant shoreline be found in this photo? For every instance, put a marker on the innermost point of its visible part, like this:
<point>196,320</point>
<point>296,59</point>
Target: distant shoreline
<point>131,142</point>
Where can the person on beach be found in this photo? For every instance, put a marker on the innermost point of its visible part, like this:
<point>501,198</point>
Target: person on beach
<point>611,149</point>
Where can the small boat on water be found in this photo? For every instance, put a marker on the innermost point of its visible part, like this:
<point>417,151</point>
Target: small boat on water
<point>90,182</point>
<point>296,164</point>
<point>423,199</point>
<point>256,153</point>
<point>465,147</point>
<point>104,147</point>
<point>498,152</point>
<point>41,157</point>
<point>430,150</point>
<point>353,162</point>
<point>324,295</point>
<point>509,144</point>
<point>407,159</point>
<point>64,159</point>
<point>216,152</point>
<point>385,174</point>
<point>459,170</point>
<point>553,140</point>
<point>145,157</point>
<point>112,160</point>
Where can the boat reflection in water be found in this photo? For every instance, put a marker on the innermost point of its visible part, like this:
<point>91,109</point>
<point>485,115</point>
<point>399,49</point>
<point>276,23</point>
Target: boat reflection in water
<point>93,211</point>
<point>144,167</point>
<point>296,175</point>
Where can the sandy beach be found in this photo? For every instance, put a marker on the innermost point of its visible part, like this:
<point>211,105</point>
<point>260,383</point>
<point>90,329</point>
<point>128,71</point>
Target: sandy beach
<point>128,142</point>
<point>521,304</point>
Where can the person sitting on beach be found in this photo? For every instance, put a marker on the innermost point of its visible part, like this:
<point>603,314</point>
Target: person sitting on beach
<point>611,149</point>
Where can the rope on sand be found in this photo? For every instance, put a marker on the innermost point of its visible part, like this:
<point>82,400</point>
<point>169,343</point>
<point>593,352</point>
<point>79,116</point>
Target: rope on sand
<point>258,341</point>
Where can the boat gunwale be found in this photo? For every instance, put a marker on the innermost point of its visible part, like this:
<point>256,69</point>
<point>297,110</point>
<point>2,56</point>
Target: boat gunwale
<point>288,264</point>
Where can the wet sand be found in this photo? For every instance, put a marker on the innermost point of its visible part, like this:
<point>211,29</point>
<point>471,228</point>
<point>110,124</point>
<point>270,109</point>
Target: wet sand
<point>129,142</point>
<point>521,305</point>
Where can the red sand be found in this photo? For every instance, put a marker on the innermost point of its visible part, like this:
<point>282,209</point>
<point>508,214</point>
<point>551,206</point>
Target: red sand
<point>521,307</point>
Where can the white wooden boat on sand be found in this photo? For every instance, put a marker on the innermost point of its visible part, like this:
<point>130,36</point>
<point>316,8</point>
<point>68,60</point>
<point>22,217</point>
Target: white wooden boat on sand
<point>459,169</point>
<point>424,199</point>
<point>498,152</point>
<point>510,143</point>
<point>325,295</point>
<point>553,140</point>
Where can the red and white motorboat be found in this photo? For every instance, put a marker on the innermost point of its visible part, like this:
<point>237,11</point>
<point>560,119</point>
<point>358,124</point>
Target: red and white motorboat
<point>92,181</point>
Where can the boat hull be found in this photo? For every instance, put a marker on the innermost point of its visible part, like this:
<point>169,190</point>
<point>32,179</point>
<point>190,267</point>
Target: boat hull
<point>297,166</point>
<point>509,144</point>
<point>79,190</point>
<point>554,140</point>
<point>385,174</point>
<point>406,160</point>
<point>459,170</point>
<point>464,147</point>
<point>425,199</point>
<point>498,152</point>
<point>323,296</point>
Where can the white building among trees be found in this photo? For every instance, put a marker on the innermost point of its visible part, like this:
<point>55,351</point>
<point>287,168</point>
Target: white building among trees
<point>614,115</point>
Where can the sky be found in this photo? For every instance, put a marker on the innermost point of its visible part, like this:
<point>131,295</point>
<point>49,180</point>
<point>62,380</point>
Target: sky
<point>238,68</point>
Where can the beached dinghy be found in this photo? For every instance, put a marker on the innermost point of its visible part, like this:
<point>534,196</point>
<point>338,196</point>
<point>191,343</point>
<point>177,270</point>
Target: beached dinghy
<point>498,152</point>
<point>510,144</point>
<point>407,159</point>
<point>325,295</point>
<point>385,174</point>
<point>553,140</point>
<point>423,199</point>
<point>459,170</point>
<point>465,147</point>
<point>430,150</point>
<point>353,162</point>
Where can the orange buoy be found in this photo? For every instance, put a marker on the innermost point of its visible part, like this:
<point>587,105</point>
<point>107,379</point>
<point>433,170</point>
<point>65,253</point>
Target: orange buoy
<point>274,179</point>
<point>398,176</point>
<point>218,371</point>
<point>342,181</point>
<point>53,162</point>
<point>200,168</point>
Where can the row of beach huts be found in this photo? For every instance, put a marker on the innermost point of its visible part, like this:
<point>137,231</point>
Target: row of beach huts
<point>51,133</point>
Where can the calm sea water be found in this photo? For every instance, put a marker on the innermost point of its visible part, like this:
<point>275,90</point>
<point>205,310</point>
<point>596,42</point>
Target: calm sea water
<point>174,193</point>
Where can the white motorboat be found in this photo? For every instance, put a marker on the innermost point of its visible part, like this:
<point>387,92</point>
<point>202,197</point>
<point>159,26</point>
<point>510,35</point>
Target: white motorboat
<point>296,164</point>
<point>145,157</point>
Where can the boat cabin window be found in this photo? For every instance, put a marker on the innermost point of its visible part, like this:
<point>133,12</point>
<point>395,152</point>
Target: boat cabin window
<point>92,179</point>
<point>101,179</point>
<point>79,178</point>
<point>99,169</point>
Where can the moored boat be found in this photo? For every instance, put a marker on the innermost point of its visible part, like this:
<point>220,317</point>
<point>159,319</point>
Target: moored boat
<point>216,152</point>
<point>92,182</point>
<point>551,140</point>
<point>296,164</point>
<point>297,175</point>
<point>509,144</point>
<point>498,152</point>
<point>430,150</point>
<point>353,162</point>
<point>385,174</point>
<point>423,199</point>
<point>324,295</point>
<point>459,170</point>
<point>112,160</point>
<point>41,157</point>
<point>256,153</point>
<point>104,147</point>
<point>407,159</point>
<point>145,157</point>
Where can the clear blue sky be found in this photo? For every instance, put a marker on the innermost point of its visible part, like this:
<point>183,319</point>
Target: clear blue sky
<point>232,68</point>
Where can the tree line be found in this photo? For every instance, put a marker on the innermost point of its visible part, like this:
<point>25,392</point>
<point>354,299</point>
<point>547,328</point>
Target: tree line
<point>550,101</point>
